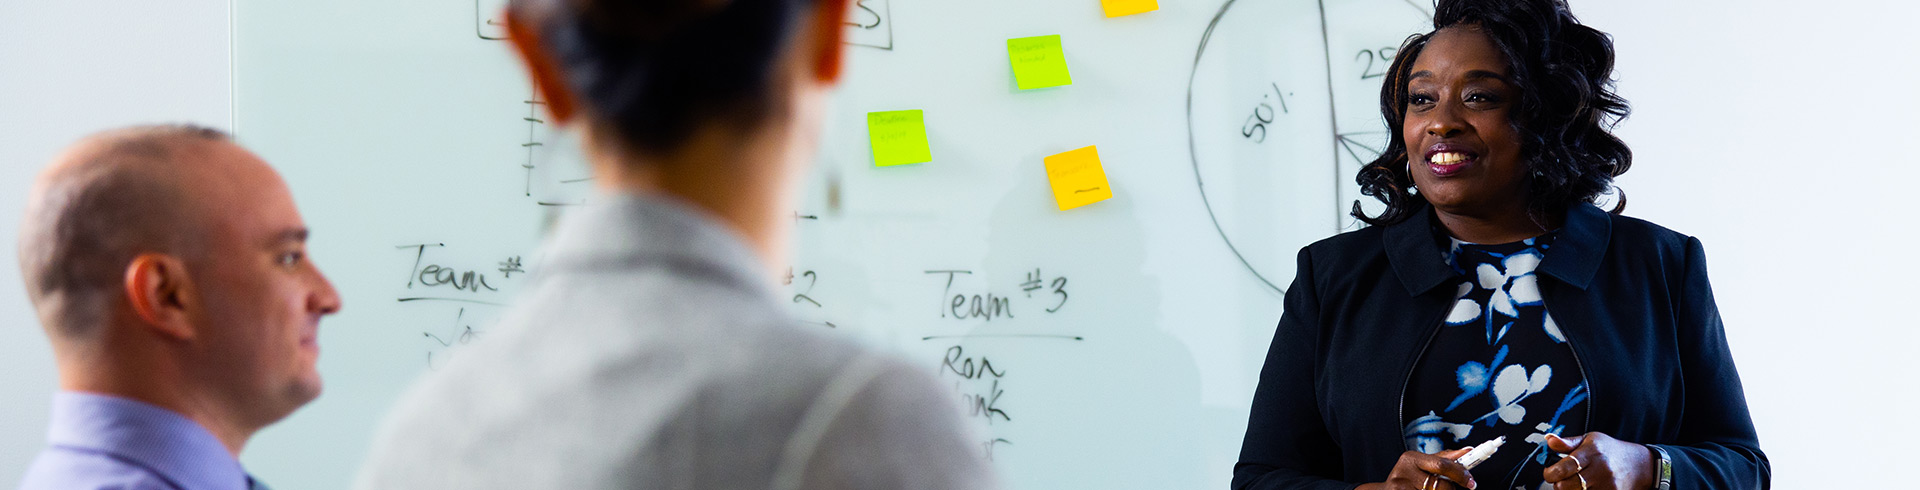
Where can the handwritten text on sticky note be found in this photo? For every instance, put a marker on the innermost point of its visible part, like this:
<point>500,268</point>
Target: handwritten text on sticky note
<point>1038,62</point>
<point>898,137</point>
<point>1077,178</point>
<point>1116,8</point>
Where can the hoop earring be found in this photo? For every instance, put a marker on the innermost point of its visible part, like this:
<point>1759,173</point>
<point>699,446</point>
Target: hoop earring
<point>1411,186</point>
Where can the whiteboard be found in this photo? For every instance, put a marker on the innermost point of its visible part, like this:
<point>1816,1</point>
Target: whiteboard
<point>1110,346</point>
<point>70,69</point>
<point>1725,123</point>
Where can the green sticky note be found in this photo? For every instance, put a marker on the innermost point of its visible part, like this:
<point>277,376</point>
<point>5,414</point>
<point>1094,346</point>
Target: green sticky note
<point>1038,62</point>
<point>898,137</point>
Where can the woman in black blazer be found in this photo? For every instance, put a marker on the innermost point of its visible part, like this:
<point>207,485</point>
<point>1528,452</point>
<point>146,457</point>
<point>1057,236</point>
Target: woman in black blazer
<point>1492,299</point>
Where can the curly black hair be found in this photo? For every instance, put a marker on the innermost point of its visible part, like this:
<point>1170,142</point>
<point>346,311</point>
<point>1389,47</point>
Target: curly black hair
<point>1564,116</point>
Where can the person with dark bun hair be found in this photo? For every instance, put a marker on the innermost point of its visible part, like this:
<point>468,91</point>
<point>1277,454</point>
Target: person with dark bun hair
<point>651,351</point>
<point>1492,304</point>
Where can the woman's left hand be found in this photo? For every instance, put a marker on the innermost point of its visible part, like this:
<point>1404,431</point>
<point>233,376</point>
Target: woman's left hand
<point>1598,461</point>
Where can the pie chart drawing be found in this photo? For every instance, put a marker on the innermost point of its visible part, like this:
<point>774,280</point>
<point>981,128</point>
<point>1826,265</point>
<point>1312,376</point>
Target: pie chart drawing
<point>1283,108</point>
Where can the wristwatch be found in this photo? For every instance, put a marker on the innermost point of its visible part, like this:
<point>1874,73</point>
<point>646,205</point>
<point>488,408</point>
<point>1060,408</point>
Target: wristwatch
<point>1664,479</point>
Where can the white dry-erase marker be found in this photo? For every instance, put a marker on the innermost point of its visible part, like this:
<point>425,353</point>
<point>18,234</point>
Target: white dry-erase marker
<point>1480,453</point>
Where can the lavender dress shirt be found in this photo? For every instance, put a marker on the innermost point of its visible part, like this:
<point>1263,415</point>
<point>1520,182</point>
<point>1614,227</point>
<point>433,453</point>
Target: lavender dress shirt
<point>107,442</point>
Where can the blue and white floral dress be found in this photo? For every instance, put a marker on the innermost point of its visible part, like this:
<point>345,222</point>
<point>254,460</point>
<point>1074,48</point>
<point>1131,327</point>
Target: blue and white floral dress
<point>1498,366</point>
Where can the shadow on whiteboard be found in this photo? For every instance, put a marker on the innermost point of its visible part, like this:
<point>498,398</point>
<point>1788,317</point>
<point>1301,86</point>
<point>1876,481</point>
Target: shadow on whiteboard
<point>1117,408</point>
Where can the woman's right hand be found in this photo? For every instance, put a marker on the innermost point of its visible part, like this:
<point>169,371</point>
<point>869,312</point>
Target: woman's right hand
<point>1421,471</point>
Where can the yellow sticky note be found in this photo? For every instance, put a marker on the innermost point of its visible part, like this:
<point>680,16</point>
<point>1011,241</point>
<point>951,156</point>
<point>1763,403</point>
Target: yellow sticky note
<point>1038,62</point>
<point>1077,178</point>
<point>1116,8</point>
<point>898,137</point>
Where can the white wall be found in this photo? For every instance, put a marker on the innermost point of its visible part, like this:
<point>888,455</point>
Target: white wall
<point>68,68</point>
<point>1780,133</point>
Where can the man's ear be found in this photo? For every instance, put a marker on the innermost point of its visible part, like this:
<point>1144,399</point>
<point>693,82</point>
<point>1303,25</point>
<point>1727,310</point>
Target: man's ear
<point>158,290</point>
<point>523,33</point>
<point>829,32</point>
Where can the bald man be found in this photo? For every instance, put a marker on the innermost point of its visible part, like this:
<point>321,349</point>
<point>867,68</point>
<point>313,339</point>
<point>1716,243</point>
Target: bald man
<point>168,267</point>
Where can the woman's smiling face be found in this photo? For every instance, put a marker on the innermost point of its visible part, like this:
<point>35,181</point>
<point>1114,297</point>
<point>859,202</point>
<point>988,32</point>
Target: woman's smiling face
<point>1461,143</point>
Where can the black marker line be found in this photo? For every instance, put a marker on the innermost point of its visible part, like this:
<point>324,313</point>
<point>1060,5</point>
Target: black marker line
<point>888,5</point>
<point>1193,151</point>
<point>1355,155</point>
<point>544,203</point>
<point>1422,9</point>
<point>533,122</point>
<point>426,298</point>
<point>1333,108</point>
<point>1283,98</point>
<point>862,5</point>
<point>1016,336</point>
<point>414,272</point>
<point>476,24</point>
<point>886,19</point>
<point>1349,138</point>
<point>1350,143</point>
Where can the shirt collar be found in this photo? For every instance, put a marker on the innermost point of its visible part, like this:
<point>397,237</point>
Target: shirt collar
<point>623,229</point>
<point>1582,242</point>
<point>1576,254</point>
<point>164,442</point>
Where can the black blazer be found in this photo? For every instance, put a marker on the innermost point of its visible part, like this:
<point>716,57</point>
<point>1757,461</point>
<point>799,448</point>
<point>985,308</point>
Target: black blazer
<point>1631,297</point>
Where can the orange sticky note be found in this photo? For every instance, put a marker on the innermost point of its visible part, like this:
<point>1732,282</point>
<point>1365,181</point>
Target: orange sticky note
<point>1077,178</point>
<point>1116,8</point>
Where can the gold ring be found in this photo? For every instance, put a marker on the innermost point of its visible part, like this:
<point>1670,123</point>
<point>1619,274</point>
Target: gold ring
<point>1577,466</point>
<point>1583,481</point>
<point>1429,483</point>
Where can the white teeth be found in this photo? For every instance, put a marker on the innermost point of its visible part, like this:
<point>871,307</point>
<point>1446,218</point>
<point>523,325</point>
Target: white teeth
<point>1447,158</point>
